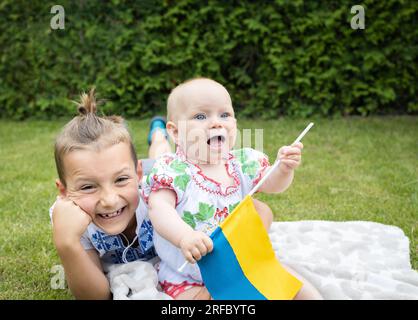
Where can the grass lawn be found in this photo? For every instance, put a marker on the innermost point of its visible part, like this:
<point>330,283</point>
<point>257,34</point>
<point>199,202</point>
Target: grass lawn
<point>353,169</point>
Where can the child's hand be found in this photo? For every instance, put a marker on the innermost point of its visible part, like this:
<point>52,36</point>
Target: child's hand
<point>290,157</point>
<point>69,221</point>
<point>194,245</point>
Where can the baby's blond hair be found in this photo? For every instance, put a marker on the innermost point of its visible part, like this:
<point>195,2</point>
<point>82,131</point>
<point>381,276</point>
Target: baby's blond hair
<point>87,130</point>
<point>173,101</point>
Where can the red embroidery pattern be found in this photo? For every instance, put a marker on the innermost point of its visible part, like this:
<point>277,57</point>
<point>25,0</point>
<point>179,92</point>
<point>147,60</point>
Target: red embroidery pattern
<point>231,171</point>
<point>264,162</point>
<point>161,181</point>
<point>220,215</point>
<point>174,289</point>
<point>217,189</point>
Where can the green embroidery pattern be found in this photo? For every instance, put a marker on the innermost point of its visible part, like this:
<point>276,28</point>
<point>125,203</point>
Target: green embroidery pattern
<point>182,181</point>
<point>178,166</point>
<point>239,155</point>
<point>183,178</point>
<point>189,219</point>
<point>249,167</point>
<point>232,207</point>
<point>205,212</point>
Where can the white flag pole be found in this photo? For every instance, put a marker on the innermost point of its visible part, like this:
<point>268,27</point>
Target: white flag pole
<point>264,178</point>
<point>254,190</point>
<point>183,266</point>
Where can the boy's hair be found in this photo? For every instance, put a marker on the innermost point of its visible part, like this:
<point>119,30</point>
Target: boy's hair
<point>87,130</point>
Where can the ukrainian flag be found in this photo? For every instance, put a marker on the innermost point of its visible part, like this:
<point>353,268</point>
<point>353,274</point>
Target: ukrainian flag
<point>243,265</point>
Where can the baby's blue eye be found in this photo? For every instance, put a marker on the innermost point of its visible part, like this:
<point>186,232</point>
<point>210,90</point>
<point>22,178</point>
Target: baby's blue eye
<point>200,116</point>
<point>225,115</point>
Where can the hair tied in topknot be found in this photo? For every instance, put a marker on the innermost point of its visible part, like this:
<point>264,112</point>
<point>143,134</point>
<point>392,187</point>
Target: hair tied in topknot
<point>88,103</point>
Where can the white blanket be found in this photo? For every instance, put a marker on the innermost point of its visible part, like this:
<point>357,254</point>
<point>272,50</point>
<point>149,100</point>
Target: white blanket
<point>348,260</point>
<point>136,280</point>
<point>343,260</point>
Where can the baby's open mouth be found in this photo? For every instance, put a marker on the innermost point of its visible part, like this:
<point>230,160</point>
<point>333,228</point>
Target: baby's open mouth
<point>112,214</point>
<point>216,140</point>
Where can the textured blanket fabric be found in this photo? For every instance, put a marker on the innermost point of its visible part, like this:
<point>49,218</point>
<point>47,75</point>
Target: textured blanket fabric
<point>136,280</point>
<point>348,260</point>
<point>343,260</point>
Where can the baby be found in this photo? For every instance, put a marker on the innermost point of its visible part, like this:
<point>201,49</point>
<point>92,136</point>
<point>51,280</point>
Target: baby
<point>191,192</point>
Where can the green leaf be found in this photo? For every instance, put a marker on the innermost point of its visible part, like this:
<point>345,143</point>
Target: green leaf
<point>232,207</point>
<point>189,219</point>
<point>240,155</point>
<point>182,181</point>
<point>178,166</point>
<point>206,212</point>
<point>250,168</point>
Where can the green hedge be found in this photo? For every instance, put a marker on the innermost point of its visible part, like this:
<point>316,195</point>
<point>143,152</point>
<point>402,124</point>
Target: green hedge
<point>275,57</point>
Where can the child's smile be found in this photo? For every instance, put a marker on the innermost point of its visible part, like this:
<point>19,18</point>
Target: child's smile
<point>104,184</point>
<point>111,215</point>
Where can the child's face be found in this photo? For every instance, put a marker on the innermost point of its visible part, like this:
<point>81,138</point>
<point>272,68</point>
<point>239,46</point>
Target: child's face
<point>206,127</point>
<point>104,184</point>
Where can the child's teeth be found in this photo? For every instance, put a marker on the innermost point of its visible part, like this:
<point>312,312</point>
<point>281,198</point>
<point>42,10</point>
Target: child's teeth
<point>113,214</point>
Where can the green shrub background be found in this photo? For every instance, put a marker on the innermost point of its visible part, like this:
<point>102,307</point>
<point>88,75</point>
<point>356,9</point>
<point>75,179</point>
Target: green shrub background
<point>297,58</point>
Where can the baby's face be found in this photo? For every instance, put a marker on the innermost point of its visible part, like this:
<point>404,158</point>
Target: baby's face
<point>206,122</point>
<point>104,184</point>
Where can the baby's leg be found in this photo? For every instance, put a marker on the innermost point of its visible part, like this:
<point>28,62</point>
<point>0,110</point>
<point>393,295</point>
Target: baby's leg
<point>308,291</point>
<point>194,293</point>
<point>265,213</point>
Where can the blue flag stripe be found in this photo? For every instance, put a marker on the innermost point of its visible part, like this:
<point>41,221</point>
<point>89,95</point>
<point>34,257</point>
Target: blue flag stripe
<point>222,274</point>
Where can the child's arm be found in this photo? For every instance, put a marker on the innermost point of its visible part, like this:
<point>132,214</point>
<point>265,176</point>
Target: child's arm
<point>166,221</point>
<point>83,270</point>
<point>282,177</point>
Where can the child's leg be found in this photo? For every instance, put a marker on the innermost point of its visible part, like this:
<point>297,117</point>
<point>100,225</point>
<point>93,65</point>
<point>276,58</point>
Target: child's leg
<point>265,213</point>
<point>158,138</point>
<point>159,145</point>
<point>308,291</point>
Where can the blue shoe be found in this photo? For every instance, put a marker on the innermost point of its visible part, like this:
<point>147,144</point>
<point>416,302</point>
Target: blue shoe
<point>157,123</point>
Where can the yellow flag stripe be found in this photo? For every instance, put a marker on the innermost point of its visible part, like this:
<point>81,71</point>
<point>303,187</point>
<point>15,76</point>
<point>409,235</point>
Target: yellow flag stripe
<point>250,242</point>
